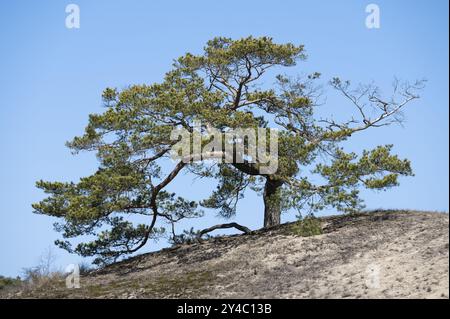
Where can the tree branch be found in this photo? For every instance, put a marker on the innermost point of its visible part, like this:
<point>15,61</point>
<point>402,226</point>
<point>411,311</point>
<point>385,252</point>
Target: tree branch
<point>223,226</point>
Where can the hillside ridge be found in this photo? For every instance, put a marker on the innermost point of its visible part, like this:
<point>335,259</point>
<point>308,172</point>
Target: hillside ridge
<point>381,254</point>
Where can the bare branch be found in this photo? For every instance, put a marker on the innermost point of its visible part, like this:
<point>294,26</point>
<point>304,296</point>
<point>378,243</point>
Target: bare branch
<point>223,226</point>
<point>389,110</point>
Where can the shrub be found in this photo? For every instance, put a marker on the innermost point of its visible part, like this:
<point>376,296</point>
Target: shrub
<point>309,226</point>
<point>6,282</point>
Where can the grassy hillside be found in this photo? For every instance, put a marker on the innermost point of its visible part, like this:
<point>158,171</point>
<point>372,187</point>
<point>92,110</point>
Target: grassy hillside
<point>386,254</point>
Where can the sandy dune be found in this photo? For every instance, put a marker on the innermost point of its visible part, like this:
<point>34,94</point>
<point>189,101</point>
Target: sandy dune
<point>400,254</point>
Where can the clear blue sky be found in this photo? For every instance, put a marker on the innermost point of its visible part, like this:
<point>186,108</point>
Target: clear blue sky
<point>51,78</point>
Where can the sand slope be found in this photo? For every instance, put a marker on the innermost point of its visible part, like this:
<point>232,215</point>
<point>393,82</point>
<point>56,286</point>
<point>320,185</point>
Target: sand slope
<point>400,254</point>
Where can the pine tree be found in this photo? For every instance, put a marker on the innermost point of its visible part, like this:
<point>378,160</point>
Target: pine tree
<point>222,88</point>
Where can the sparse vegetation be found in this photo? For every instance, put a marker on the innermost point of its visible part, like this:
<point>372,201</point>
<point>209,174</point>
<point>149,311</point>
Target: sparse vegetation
<point>6,282</point>
<point>309,226</point>
<point>35,278</point>
<point>269,264</point>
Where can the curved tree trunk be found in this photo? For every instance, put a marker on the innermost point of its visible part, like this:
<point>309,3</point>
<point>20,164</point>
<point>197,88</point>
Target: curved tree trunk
<point>272,204</point>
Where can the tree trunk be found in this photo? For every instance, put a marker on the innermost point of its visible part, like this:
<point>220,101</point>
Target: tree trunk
<point>272,204</point>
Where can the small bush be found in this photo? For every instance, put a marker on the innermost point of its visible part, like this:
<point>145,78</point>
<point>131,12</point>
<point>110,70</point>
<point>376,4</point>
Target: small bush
<point>34,277</point>
<point>45,273</point>
<point>309,226</point>
<point>6,282</point>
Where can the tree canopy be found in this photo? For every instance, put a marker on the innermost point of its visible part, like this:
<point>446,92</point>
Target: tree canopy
<point>221,88</point>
